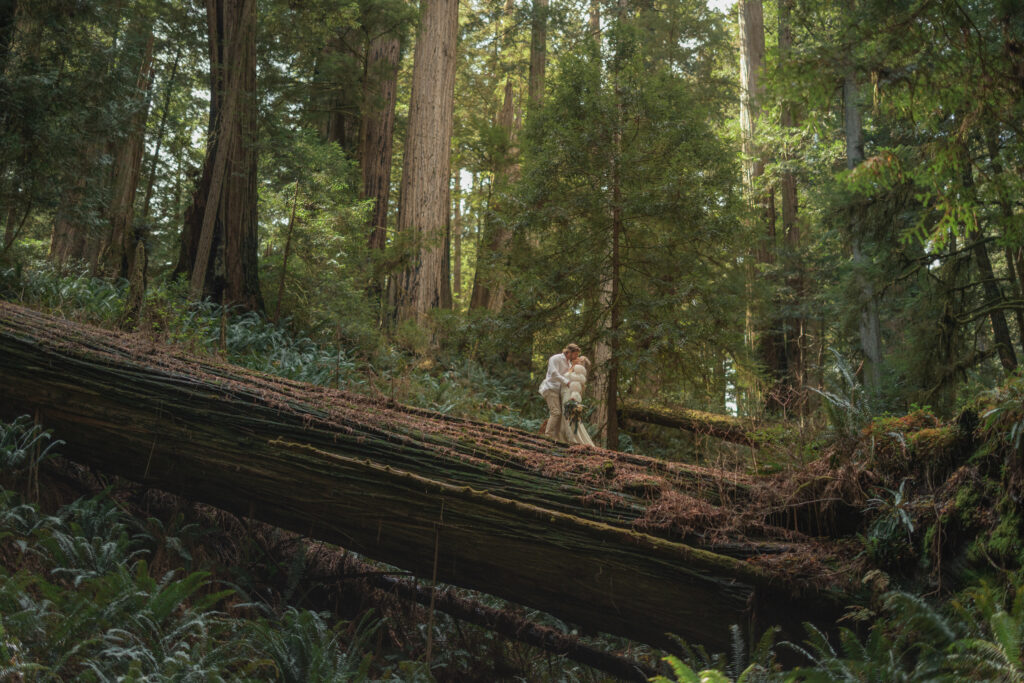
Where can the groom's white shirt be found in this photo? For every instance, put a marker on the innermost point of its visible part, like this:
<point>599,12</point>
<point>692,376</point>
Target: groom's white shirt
<point>558,365</point>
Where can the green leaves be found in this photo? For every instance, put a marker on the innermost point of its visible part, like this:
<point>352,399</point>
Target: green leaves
<point>85,606</point>
<point>684,674</point>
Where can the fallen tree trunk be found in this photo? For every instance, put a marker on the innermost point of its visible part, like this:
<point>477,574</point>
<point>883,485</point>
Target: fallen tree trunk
<point>724,427</point>
<point>479,506</point>
<point>339,581</point>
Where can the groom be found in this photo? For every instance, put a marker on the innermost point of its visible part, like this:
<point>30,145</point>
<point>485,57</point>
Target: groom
<point>551,387</point>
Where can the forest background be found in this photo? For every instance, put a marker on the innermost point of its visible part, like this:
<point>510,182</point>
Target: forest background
<point>767,209</point>
<point>710,203</point>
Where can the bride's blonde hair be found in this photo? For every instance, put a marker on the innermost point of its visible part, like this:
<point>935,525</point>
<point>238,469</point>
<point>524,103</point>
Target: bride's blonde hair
<point>585,362</point>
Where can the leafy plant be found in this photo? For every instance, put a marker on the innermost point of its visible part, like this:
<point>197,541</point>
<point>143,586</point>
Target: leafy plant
<point>993,649</point>
<point>847,404</point>
<point>72,294</point>
<point>302,647</point>
<point>890,535</point>
<point>24,444</point>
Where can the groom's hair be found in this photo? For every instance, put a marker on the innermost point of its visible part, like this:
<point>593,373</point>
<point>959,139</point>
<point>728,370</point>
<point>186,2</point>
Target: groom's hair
<point>571,347</point>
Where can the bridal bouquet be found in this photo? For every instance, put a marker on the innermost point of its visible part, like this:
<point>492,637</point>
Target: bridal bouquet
<point>573,412</point>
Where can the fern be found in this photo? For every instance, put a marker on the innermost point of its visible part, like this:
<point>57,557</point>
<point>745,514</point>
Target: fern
<point>24,444</point>
<point>847,405</point>
<point>303,648</point>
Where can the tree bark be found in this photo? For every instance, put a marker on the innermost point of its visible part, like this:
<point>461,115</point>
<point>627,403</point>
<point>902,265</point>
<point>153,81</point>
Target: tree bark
<point>997,315</point>
<point>765,325</point>
<point>752,59</point>
<point>342,122</point>
<point>1015,253</point>
<point>118,259</point>
<point>538,52</point>
<point>219,241</point>
<point>870,326</point>
<point>378,132</point>
<point>71,240</point>
<point>795,326</point>
<point>423,205</point>
<point>413,488</point>
<point>457,238</point>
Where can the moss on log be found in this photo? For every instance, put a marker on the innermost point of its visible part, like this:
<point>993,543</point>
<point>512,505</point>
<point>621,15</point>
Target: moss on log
<point>483,506</point>
<point>724,427</point>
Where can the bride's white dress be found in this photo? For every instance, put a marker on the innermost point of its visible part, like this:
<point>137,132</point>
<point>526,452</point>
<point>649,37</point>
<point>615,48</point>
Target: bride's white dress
<point>574,392</point>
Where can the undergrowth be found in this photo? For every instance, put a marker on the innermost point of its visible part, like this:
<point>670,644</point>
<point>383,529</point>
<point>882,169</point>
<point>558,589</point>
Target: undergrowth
<point>80,599</point>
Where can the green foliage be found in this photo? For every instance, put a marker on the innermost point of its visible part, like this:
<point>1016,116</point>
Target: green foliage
<point>24,444</point>
<point>715,668</point>
<point>68,86</point>
<point>79,602</point>
<point>303,647</point>
<point>847,404</point>
<point>993,648</point>
<point>889,538</point>
<point>912,640</point>
<point>631,132</point>
<point>1003,418</point>
<point>74,293</point>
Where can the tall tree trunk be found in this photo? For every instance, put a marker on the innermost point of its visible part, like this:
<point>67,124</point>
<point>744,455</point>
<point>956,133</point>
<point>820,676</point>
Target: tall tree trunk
<point>342,120</point>
<point>219,241</point>
<point>870,326</point>
<point>538,52</point>
<point>993,295</point>
<point>1016,291</point>
<point>994,299</point>
<point>606,349</point>
<point>764,326</point>
<point>614,314</point>
<point>457,237</point>
<point>119,255</point>
<point>423,205</point>
<point>71,239</point>
<point>378,132</point>
<point>1014,254</point>
<point>489,278</point>
<point>795,326</point>
<point>752,59</point>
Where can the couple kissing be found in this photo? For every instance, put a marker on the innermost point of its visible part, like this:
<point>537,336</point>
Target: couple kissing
<point>562,390</point>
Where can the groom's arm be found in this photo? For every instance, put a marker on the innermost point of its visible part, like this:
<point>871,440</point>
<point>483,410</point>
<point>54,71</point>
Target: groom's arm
<point>554,371</point>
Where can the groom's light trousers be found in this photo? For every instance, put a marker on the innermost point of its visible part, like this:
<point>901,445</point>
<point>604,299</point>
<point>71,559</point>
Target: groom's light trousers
<point>554,401</point>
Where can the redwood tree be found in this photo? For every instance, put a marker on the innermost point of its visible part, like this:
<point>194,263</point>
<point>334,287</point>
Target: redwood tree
<point>422,284</point>
<point>119,253</point>
<point>378,131</point>
<point>219,240</point>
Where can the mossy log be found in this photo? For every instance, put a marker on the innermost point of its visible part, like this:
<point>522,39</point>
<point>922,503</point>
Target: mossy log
<point>724,427</point>
<point>480,506</point>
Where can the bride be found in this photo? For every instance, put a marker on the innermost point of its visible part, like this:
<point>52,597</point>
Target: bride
<point>573,429</point>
